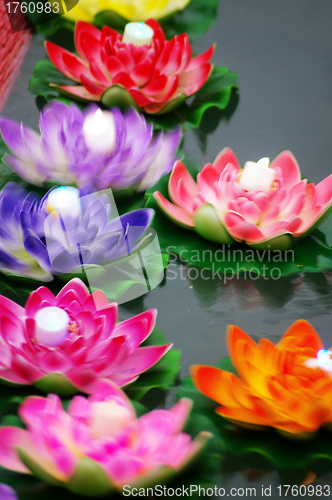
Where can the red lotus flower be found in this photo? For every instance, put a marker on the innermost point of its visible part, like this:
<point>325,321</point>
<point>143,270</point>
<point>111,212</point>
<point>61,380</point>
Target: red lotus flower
<point>158,77</point>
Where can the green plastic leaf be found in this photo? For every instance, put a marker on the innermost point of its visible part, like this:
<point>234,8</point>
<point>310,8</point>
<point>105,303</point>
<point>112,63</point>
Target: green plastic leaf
<point>118,96</point>
<point>89,479</point>
<point>194,20</point>
<point>309,255</point>
<point>56,383</point>
<point>110,18</point>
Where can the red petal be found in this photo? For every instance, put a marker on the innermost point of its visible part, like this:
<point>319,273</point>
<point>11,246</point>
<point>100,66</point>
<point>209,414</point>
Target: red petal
<point>191,81</point>
<point>156,85</point>
<point>92,87</point>
<point>140,99</point>
<point>124,80</point>
<point>81,92</point>
<point>83,28</point>
<point>75,66</point>
<point>56,53</point>
<point>142,73</point>
<point>202,59</point>
<point>114,66</point>
<point>107,32</point>
<point>158,31</point>
<point>126,59</point>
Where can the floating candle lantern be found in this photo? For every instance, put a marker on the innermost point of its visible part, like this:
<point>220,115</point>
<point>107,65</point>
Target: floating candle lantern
<point>257,176</point>
<point>52,326</point>
<point>323,360</point>
<point>64,199</point>
<point>138,34</point>
<point>99,132</point>
<point>109,417</point>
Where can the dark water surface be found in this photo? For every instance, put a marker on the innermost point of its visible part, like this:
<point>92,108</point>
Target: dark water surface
<point>282,51</point>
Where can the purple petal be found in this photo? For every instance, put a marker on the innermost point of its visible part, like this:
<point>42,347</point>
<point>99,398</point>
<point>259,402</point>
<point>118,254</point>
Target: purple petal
<point>22,141</point>
<point>7,493</point>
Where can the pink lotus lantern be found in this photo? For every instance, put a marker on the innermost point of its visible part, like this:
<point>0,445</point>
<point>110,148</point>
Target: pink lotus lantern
<point>99,445</point>
<point>64,344</point>
<point>266,206</point>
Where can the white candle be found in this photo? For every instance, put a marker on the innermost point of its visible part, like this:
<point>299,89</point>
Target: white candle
<point>138,34</point>
<point>52,326</point>
<point>64,199</point>
<point>99,132</point>
<point>109,417</point>
<point>257,176</point>
<point>323,361</point>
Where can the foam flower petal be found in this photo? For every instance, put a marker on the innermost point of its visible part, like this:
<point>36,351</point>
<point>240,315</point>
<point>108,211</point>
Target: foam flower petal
<point>286,386</point>
<point>222,207</point>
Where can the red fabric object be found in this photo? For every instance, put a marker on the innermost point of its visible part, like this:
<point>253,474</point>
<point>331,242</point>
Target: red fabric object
<point>12,50</point>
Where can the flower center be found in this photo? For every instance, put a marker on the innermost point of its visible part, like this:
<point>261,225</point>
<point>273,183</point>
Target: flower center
<point>257,176</point>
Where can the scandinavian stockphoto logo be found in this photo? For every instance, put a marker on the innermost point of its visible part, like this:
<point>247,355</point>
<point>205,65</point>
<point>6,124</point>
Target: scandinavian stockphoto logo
<point>85,236</point>
<point>25,14</point>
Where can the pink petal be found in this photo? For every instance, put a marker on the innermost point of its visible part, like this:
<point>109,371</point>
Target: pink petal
<point>191,81</point>
<point>56,53</point>
<point>37,298</point>
<point>12,377</point>
<point>25,369</point>
<point>308,217</point>
<point>242,229</point>
<point>136,329</point>
<point>141,360</point>
<point>96,301</point>
<point>11,307</point>
<point>55,361</point>
<point>10,438</point>
<point>180,412</point>
<point>83,378</point>
<point>309,195</point>
<point>201,59</point>
<point>206,181</point>
<point>323,192</point>
<point>250,211</point>
<point>178,173</point>
<point>289,168</point>
<point>225,157</point>
<point>80,92</point>
<point>174,212</point>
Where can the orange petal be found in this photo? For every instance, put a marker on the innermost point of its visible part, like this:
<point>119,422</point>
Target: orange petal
<point>219,385</point>
<point>305,335</point>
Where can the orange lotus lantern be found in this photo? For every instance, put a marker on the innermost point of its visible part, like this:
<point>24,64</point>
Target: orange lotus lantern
<point>287,386</point>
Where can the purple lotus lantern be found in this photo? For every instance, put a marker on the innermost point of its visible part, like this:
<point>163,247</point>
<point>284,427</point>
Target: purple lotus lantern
<point>107,149</point>
<point>64,232</point>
